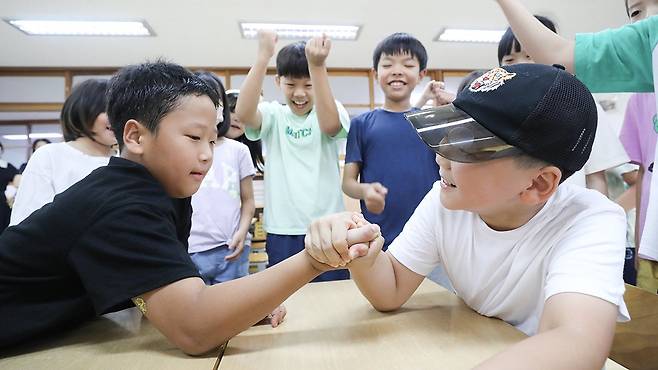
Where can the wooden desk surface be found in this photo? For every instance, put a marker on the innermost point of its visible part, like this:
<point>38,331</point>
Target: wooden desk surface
<point>125,342</point>
<point>331,326</point>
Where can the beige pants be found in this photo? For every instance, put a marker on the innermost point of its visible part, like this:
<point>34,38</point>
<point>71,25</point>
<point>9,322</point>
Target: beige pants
<point>647,275</point>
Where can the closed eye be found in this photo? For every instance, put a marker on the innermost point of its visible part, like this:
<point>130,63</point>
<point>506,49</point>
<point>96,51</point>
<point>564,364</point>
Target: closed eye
<point>195,138</point>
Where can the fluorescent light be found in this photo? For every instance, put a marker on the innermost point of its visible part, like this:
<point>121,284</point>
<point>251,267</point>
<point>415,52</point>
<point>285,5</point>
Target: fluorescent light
<point>300,31</point>
<point>36,135</point>
<point>461,35</point>
<point>82,28</point>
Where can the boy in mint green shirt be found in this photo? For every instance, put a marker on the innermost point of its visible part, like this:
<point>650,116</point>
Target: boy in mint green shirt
<point>302,178</point>
<point>618,60</point>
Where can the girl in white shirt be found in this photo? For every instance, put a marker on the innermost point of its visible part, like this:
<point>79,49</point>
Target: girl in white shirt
<point>88,141</point>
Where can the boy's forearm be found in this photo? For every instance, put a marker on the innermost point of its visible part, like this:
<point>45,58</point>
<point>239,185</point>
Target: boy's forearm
<point>247,105</point>
<point>325,105</point>
<point>541,43</point>
<point>353,188</point>
<point>378,283</point>
<point>560,348</point>
<point>224,310</point>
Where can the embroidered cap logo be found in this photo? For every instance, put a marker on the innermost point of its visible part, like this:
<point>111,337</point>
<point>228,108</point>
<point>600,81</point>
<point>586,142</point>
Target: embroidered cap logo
<point>491,80</point>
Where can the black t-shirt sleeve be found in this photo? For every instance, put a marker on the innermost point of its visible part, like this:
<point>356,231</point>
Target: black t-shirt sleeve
<point>127,252</point>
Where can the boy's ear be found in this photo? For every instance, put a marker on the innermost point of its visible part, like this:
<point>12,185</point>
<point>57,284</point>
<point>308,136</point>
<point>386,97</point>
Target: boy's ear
<point>544,184</point>
<point>423,73</point>
<point>277,80</point>
<point>133,131</point>
<point>374,72</point>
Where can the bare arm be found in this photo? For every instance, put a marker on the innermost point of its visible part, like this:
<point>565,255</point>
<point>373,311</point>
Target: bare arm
<point>628,198</point>
<point>541,43</point>
<point>373,194</point>
<point>198,318</point>
<point>351,185</point>
<point>575,332</point>
<point>387,284</point>
<point>435,91</point>
<point>247,105</point>
<point>317,51</point>
<point>247,210</point>
<point>596,181</point>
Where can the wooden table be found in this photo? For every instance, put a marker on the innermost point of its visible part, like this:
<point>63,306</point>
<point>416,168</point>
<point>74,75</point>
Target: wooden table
<point>331,326</point>
<point>126,341</point>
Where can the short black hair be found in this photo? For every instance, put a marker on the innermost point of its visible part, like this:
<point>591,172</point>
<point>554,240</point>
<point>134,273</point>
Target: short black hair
<point>291,61</point>
<point>400,43</point>
<point>37,141</point>
<point>509,41</point>
<point>87,100</point>
<point>213,81</point>
<point>255,146</point>
<point>148,92</point>
<point>232,98</point>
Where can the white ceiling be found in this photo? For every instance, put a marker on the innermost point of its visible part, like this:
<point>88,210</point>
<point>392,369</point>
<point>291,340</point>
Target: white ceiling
<point>206,33</point>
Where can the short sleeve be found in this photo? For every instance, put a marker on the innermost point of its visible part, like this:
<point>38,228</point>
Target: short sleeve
<point>618,60</point>
<point>344,118</point>
<point>246,164</point>
<point>127,252</point>
<point>590,259</point>
<point>416,247</point>
<point>629,134</point>
<point>36,188</point>
<point>268,112</point>
<point>355,144</point>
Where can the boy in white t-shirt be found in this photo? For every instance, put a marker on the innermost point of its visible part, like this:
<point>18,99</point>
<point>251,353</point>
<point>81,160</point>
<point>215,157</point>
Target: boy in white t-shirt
<point>516,243</point>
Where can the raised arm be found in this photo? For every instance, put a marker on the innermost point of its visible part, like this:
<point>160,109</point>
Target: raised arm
<point>541,43</point>
<point>247,105</point>
<point>317,51</point>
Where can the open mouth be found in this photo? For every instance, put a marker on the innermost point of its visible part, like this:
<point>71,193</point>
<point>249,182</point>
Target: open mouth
<point>397,84</point>
<point>300,104</point>
<point>446,184</point>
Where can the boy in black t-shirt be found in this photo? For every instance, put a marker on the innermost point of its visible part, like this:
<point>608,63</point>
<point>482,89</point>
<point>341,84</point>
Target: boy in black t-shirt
<point>110,240</point>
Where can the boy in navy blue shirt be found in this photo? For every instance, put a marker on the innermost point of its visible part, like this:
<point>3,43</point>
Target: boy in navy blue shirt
<point>395,168</point>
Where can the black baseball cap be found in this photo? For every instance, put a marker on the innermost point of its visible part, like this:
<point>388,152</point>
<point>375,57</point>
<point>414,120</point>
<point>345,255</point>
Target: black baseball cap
<point>532,109</point>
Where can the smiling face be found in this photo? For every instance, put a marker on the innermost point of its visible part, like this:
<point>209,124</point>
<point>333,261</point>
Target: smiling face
<point>179,153</point>
<point>398,75</point>
<point>486,188</point>
<point>298,93</point>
